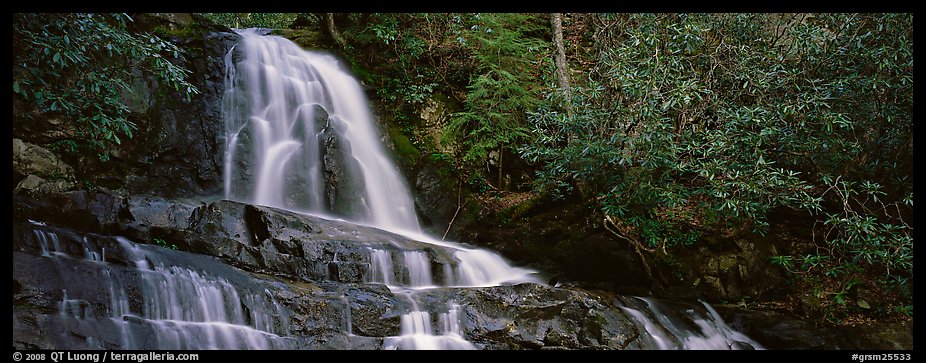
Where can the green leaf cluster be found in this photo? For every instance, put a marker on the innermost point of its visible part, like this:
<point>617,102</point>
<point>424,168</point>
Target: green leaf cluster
<point>79,67</point>
<point>699,123</point>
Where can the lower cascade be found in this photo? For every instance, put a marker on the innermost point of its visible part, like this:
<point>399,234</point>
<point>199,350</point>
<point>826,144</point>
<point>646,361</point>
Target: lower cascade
<point>177,307</point>
<point>147,297</point>
<point>316,246</point>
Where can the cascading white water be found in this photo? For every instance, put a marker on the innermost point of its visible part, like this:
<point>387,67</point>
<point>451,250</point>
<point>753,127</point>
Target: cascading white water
<point>280,102</point>
<point>44,238</point>
<point>300,136</point>
<point>381,263</point>
<point>182,308</point>
<point>419,268</point>
<point>417,332</point>
<point>192,310</point>
<point>712,332</point>
<point>283,108</point>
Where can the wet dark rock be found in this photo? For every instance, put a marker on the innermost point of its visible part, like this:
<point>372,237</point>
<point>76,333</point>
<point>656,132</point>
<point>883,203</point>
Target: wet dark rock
<point>87,211</point>
<point>316,313</point>
<point>780,330</point>
<point>261,249</point>
<point>253,237</point>
<point>178,148</point>
<point>436,199</point>
<point>344,182</point>
<point>531,316</point>
<point>317,270</point>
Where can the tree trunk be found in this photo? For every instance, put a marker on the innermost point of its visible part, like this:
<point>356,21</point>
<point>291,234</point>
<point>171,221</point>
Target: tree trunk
<point>501,175</point>
<point>562,72</point>
<point>333,30</point>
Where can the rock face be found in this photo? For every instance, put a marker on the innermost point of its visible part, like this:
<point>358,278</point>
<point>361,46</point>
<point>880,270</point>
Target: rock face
<point>730,268</point>
<point>36,169</point>
<point>530,316</point>
<point>436,200</point>
<point>266,278</point>
<point>30,159</point>
<point>780,331</point>
<point>435,113</point>
<point>178,150</point>
<point>343,178</point>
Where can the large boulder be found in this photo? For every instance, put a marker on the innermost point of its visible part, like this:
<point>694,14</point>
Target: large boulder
<point>38,169</point>
<point>31,159</point>
<point>533,316</point>
<point>33,184</point>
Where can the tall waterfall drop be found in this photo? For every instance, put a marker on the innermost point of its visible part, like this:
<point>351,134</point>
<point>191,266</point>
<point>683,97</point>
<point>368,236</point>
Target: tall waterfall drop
<point>300,136</point>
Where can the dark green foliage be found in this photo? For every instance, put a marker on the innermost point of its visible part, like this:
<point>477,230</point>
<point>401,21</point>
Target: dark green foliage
<point>405,57</point>
<point>79,67</point>
<point>488,61</point>
<point>701,123</point>
<point>253,20</point>
<point>504,86</point>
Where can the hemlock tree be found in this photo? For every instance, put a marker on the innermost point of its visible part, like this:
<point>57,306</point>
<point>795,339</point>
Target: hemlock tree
<point>504,87</point>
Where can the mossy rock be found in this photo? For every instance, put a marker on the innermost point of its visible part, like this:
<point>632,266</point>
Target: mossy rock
<point>407,153</point>
<point>518,210</point>
<point>182,25</point>
<point>307,39</point>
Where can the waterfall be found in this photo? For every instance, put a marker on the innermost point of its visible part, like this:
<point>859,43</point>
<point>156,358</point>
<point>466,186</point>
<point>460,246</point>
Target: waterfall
<point>189,309</point>
<point>302,124</point>
<point>300,136</point>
